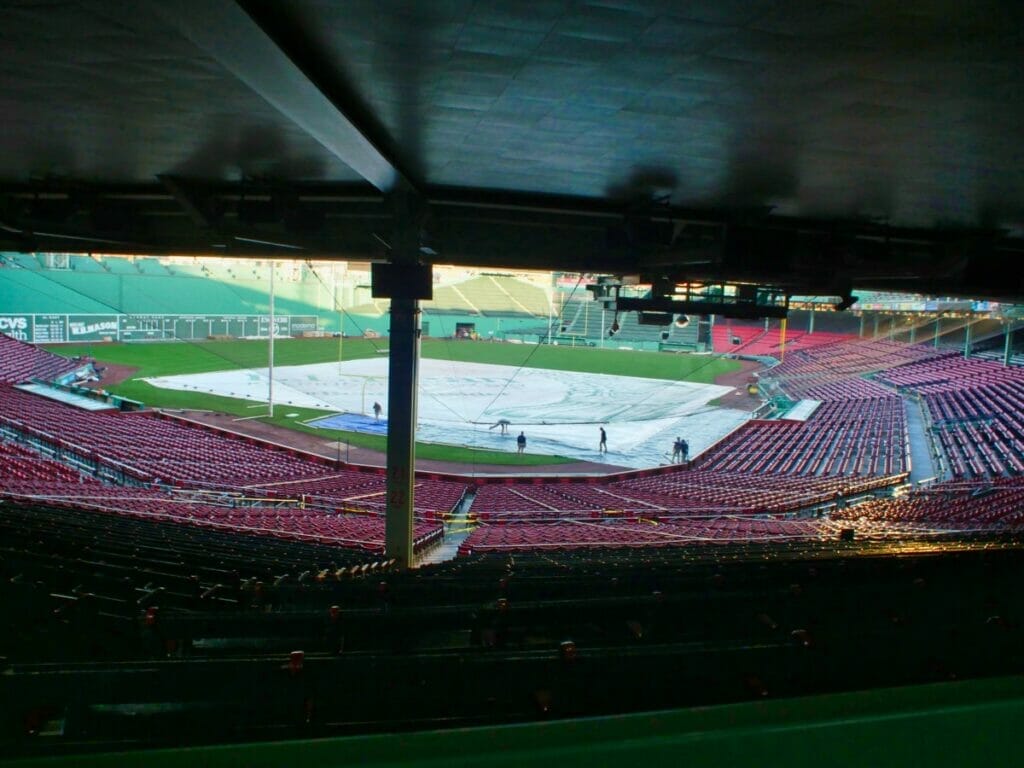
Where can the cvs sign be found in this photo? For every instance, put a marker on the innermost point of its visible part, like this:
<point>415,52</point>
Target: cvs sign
<point>15,327</point>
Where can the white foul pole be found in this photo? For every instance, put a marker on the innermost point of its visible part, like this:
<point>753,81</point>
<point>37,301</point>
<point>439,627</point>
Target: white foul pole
<point>551,307</point>
<point>270,367</point>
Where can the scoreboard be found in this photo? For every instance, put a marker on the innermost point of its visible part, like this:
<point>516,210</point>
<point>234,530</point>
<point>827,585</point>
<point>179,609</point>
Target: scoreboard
<point>55,329</point>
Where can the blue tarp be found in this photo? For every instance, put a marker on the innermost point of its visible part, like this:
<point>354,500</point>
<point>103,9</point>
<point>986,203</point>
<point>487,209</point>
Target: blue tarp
<point>352,422</point>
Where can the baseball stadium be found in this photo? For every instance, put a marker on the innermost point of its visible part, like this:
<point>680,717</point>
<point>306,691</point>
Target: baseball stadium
<point>602,383</point>
<point>890,427</point>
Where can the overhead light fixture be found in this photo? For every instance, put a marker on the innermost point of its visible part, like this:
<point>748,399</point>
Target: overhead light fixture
<point>681,321</point>
<point>614,326</point>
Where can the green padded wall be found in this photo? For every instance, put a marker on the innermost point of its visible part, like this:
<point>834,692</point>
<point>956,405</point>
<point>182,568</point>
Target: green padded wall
<point>945,724</point>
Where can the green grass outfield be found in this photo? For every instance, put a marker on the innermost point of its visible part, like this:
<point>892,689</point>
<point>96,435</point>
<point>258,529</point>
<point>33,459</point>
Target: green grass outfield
<point>169,359</point>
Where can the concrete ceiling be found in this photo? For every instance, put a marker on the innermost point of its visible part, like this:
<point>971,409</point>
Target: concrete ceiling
<point>882,119</point>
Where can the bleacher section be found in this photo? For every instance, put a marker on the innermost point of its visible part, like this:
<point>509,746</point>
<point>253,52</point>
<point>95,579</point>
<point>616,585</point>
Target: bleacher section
<point>755,341</point>
<point>90,577</point>
<point>145,448</point>
<point>975,409</point>
<point>22,363</point>
<point>853,444</point>
<point>175,452</point>
<point>119,266</point>
<point>665,495</point>
<point>118,634</point>
<point>23,260</point>
<point>190,270</point>
<point>954,505</point>
<point>151,267</point>
<point>30,479</point>
<point>489,296</point>
<point>23,291</point>
<point>119,286</point>
<point>484,292</point>
<point>809,369</point>
<point>246,594</point>
<point>850,437</point>
<point>525,298</point>
<point>528,537</point>
<point>84,264</point>
<point>450,299</point>
<point>582,319</point>
<point>497,304</point>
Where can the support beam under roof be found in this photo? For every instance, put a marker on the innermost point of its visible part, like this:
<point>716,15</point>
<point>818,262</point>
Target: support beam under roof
<point>229,35</point>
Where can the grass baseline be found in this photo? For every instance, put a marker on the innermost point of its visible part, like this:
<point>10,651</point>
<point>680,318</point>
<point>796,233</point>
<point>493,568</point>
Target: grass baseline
<point>178,358</point>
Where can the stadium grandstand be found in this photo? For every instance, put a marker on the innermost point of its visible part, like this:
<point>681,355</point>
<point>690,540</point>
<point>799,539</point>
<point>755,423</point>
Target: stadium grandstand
<point>465,383</point>
<point>868,442</point>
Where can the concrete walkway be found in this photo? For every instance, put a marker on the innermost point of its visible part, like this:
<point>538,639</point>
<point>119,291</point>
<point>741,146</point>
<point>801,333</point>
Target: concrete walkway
<point>456,531</point>
<point>922,465</point>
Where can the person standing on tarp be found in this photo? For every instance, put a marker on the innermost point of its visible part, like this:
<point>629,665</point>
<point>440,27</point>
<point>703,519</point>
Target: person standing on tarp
<point>602,447</point>
<point>376,411</point>
<point>521,442</point>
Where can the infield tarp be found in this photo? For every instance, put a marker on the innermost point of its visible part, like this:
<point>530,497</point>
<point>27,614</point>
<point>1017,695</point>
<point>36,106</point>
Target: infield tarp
<point>559,411</point>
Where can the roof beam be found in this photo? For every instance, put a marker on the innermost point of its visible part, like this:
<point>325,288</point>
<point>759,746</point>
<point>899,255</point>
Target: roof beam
<point>223,30</point>
<point>188,200</point>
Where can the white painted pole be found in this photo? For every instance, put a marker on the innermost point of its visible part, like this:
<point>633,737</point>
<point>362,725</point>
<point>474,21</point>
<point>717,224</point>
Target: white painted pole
<point>339,298</point>
<point>551,308</point>
<point>270,367</point>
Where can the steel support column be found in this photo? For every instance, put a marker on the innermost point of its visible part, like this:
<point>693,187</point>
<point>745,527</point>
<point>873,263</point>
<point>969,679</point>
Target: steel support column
<point>1008,344</point>
<point>967,340</point>
<point>403,376</point>
<point>402,380</point>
